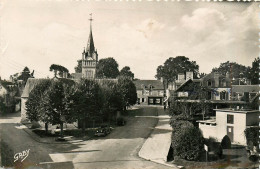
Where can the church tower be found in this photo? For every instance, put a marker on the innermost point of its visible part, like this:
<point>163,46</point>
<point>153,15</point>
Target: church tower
<point>89,57</point>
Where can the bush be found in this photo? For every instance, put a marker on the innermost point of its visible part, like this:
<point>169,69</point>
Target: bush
<point>226,143</point>
<point>188,143</point>
<point>218,151</point>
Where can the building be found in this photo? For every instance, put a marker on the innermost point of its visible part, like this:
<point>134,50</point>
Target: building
<point>8,91</point>
<point>30,84</point>
<point>89,59</point>
<point>245,92</point>
<point>150,92</point>
<point>230,122</point>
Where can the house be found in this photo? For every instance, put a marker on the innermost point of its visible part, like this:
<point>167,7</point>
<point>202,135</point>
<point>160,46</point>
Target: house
<point>150,92</point>
<point>245,92</point>
<point>30,84</point>
<point>230,122</point>
<point>8,90</point>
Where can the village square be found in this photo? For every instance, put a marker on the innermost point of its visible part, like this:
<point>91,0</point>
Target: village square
<point>102,115</point>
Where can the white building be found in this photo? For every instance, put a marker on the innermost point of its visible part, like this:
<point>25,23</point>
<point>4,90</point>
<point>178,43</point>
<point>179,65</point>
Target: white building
<point>230,122</point>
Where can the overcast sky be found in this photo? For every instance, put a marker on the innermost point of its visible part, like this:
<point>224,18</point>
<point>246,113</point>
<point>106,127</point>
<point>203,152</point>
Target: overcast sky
<point>141,35</point>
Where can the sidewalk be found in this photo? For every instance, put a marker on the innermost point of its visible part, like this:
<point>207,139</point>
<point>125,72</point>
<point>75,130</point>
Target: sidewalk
<point>156,146</point>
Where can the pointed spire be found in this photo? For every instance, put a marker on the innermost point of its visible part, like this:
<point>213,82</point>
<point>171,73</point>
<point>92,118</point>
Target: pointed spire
<point>90,45</point>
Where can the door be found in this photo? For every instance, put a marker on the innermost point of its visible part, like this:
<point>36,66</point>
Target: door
<point>230,132</point>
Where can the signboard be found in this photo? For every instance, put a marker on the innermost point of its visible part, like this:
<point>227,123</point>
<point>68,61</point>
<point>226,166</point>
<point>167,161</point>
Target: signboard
<point>205,147</point>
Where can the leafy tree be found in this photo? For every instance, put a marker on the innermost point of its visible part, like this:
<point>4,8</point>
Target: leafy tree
<point>54,103</point>
<point>112,99</point>
<point>172,66</point>
<point>58,69</point>
<point>128,90</point>
<point>125,71</point>
<point>25,75</point>
<point>254,71</point>
<point>34,105</point>
<point>88,101</point>
<point>78,68</point>
<point>236,70</point>
<point>107,68</point>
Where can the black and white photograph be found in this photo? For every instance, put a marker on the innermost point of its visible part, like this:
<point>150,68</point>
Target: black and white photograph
<point>129,84</point>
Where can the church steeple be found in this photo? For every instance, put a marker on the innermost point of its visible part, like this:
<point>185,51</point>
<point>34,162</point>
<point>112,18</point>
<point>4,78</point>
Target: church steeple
<point>89,57</point>
<point>90,46</point>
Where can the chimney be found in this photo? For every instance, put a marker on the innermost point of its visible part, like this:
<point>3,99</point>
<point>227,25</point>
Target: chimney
<point>189,75</point>
<point>181,77</point>
<point>65,75</point>
<point>216,79</point>
<point>161,79</point>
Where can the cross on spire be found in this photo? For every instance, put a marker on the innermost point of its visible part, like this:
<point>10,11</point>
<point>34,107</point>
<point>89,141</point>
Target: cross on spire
<point>90,19</point>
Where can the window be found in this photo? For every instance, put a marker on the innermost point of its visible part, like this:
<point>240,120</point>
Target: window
<point>158,100</point>
<point>150,100</point>
<point>142,99</point>
<point>209,83</point>
<point>230,119</point>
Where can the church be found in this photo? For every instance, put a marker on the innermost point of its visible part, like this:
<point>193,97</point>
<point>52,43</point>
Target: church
<point>89,59</point>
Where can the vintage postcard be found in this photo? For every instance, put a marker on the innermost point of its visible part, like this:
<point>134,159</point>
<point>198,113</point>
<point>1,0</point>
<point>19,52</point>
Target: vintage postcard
<point>129,84</point>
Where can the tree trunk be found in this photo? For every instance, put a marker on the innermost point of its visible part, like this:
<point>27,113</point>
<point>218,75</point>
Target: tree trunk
<point>84,124</point>
<point>46,127</point>
<point>61,129</point>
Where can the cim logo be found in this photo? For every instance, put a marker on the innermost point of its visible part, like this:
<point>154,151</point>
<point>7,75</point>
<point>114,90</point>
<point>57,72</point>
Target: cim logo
<point>21,155</point>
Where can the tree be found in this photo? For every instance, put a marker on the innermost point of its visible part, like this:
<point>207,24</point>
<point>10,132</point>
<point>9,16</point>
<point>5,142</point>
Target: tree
<point>112,99</point>
<point>25,75</point>
<point>107,68</point>
<point>172,66</point>
<point>253,72</point>
<point>236,70</point>
<point>125,71</point>
<point>88,101</point>
<point>34,106</point>
<point>58,69</point>
<point>54,103</point>
<point>78,68</point>
<point>128,90</point>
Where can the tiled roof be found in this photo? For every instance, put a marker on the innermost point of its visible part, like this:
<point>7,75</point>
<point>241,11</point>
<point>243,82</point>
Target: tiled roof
<point>245,88</point>
<point>30,84</point>
<point>157,84</point>
<point>76,75</point>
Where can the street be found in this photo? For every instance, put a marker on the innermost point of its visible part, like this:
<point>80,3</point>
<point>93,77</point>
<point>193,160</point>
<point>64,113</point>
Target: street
<point>117,150</point>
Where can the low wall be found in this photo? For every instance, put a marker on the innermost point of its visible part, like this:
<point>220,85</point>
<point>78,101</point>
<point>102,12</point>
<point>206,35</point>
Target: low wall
<point>208,130</point>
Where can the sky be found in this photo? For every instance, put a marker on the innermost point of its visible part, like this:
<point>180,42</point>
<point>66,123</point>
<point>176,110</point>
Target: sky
<point>141,35</point>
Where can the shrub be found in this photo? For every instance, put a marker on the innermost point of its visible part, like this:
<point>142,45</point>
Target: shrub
<point>181,119</point>
<point>218,151</point>
<point>188,143</point>
<point>252,135</point>
<point>226,143</point>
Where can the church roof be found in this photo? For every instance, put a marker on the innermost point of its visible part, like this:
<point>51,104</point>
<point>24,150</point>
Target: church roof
<point>90,45</point>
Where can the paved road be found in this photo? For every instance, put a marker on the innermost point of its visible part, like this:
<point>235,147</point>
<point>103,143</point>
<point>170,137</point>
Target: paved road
<point>120,148</point>
<point>117,150</point>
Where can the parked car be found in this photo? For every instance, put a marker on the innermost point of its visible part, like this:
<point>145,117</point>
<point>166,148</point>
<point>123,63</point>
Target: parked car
<point>103,130</point>
<point>121,121</point>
